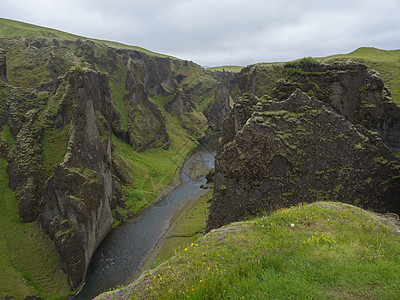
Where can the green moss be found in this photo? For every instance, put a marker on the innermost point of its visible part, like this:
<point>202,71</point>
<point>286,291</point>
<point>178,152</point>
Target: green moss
<point>222,187</point>
<point>5,134</point>
<point>359,146</point>
<point>54,147</point>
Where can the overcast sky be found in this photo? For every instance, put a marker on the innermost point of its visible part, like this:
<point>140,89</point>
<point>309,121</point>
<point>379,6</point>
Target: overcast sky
<point>223,32</point>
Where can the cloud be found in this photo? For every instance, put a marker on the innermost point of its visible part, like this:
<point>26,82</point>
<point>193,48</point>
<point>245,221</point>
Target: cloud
<point>219,32</point>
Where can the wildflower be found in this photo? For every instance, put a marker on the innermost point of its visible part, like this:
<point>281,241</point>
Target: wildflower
<point>220,239</point>
<point>292,225</point>
<point>394,231</point>
<point>185,249</point>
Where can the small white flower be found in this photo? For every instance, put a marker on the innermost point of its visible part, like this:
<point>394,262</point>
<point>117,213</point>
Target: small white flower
<point>292,224</point>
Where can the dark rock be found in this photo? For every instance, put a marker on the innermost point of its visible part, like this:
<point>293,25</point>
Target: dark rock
<point>3,66</point>
<point>298,150</point>
<point>118,215</point>
<point>350,89</point>
<point>75,207</point>
<point>25,168</point>
<point>221,106</point>
<point>180,104</point>
<point>210,175</point>
<point>146,125</point>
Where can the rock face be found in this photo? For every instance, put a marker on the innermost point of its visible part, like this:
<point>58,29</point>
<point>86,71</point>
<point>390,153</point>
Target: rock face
<point>69,112</point>
<point>75,208</point>
<point>219,109</point>
<point>25,168</point>
<point>146,125</point>
<point>3,66</point>
<point>278,153</point>
<point>350,89</point>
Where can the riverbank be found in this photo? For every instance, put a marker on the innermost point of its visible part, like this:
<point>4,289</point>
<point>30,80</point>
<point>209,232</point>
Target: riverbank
<point>187,227</point>
<point>126,248</point>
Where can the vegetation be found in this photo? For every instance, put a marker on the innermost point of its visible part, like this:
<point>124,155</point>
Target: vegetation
<point>10,28</point>
<point>28,260</point>
<point>234,69</point>
<point>154,169</point>
<point>187,228</point>
<point>323,250</point>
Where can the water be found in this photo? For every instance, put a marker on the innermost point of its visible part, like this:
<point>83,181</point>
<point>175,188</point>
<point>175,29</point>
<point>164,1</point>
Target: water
<point>125,249</point>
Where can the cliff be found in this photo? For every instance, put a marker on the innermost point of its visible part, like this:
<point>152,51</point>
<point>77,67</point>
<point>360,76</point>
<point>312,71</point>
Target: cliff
<point>280,151</point>
<point>351,89</point>
<point>80,113</point>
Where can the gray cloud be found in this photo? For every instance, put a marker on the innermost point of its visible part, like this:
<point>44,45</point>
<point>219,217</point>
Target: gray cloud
<point>221,32</point>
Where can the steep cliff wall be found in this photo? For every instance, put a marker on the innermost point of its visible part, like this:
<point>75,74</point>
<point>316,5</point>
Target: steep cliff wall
<point>350,89</point>
<point>218,109</point>
<point>278,152</point>
<point>80,112</point>
<point>76,206</point>
<point>297,151</point>
<point>3,66</point>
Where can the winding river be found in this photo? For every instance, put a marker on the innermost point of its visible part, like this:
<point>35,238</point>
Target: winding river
<point>125,249</point>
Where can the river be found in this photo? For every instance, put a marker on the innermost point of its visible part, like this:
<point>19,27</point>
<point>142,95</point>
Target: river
<point>125,249</point>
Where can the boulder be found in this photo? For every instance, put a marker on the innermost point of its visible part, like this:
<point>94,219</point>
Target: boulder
<point>279,153</point>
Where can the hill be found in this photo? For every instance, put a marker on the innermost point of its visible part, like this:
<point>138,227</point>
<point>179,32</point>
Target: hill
<point>320,250</point>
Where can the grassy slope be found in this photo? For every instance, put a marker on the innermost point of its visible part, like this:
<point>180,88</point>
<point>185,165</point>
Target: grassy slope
<point>234,69</point>
<point>25,273</point>
<point>386,62</point>
<point>188,227</point>
<point>322,250</point>
<point>10,28</point>
<point>154,169</point>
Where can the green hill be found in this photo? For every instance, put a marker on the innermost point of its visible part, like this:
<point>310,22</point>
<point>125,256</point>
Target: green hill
<point>11,28</point>
<point>323,250</point>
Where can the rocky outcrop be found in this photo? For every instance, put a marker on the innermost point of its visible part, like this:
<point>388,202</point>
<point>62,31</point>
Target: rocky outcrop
<point>25,169</point>
<point>146,125</point>
<point>180,104</point>
<point>219,109</point>
<point>279,153</point>
<point>350,89</point>
<point>75,207</point>
<point>3,66</point>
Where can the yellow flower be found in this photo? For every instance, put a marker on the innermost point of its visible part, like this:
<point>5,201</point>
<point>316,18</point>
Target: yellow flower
<point>185,249</point>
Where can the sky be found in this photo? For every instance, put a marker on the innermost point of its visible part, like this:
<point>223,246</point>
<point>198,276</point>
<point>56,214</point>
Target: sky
<point>223,32</point>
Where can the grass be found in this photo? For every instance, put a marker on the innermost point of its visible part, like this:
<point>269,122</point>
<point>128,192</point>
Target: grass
<point>155,168</point>
<point>186,229</point>
<point>316,251</point>
<point>54,147</point>
<point>234,69</point>
<point>11,28</point>
<point>28,259</point>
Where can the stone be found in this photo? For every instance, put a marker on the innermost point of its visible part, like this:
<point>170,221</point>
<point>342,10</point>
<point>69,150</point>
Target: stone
<point>350,89</point>
<point>298,150</point>
<point>3,66</point>
<point>75,207</point>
